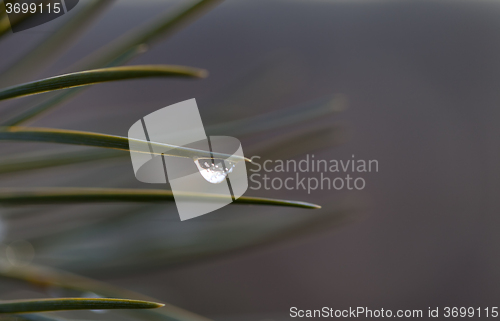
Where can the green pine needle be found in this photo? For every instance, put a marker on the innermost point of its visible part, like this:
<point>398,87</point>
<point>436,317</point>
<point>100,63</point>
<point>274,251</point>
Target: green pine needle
<point>42,305</point>
<point>73,137</point>
<point>86,195</point>
<point>95,76</point>
<point>47,277</point>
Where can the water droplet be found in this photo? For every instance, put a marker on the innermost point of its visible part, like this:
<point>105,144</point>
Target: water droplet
<point>213,169</point>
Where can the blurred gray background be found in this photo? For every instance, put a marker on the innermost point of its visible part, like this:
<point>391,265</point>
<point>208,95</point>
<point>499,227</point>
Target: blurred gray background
<point>423,82</point>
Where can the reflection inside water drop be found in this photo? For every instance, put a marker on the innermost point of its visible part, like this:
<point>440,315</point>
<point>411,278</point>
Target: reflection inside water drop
<point>214,170</point>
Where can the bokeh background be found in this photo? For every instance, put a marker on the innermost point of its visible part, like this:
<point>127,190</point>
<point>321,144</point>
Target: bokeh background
<point>422,79</point>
